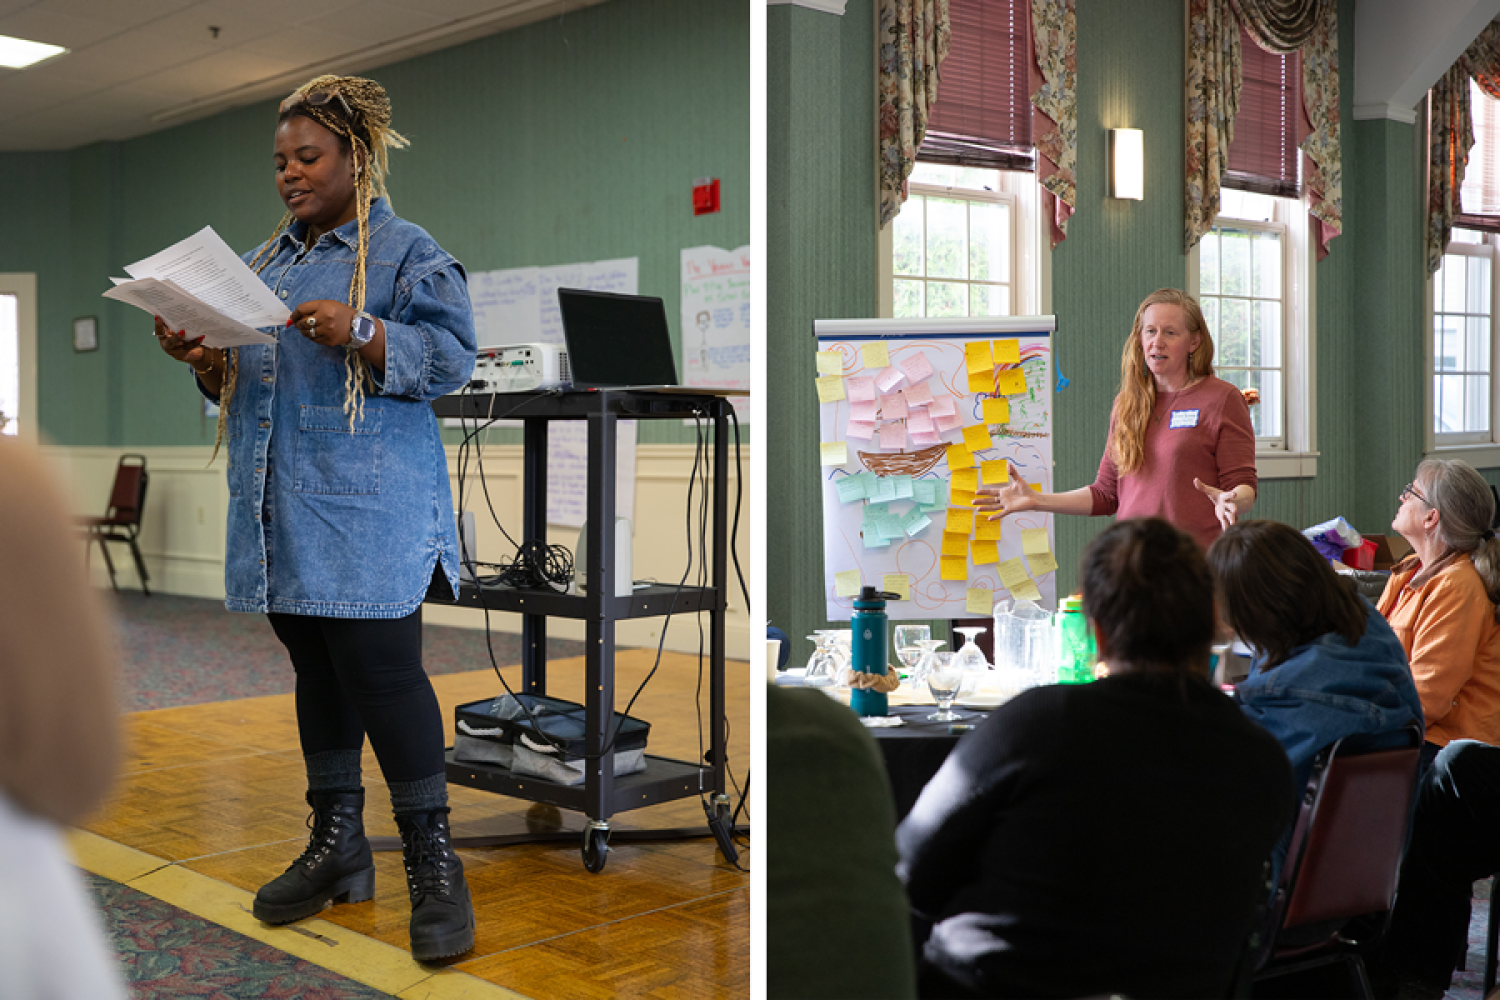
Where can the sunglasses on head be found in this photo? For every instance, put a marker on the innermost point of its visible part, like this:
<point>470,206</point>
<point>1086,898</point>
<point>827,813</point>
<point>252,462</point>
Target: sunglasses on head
<point>316,99</point>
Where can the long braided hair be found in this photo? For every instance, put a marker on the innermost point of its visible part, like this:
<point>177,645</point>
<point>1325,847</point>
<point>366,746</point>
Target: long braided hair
<point>359,113</point>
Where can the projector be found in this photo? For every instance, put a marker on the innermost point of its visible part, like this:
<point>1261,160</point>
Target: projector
<point>521,368</point>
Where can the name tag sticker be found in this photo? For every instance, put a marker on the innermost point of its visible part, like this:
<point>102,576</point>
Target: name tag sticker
<point>1184,418</point>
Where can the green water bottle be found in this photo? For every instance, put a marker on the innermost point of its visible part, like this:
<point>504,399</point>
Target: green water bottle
<point>1075,643</point>
<point>867,648</point>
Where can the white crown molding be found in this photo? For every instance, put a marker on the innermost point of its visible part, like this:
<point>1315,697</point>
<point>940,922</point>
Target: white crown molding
<point>826,6</point>
<point>1369,112</point>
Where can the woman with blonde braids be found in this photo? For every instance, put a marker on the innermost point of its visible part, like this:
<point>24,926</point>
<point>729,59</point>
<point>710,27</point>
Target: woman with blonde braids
<point>340,514</point>
<point>1177,434</point>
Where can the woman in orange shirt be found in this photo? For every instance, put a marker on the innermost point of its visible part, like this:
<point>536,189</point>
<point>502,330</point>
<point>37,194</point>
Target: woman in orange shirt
<point>1440,601</point>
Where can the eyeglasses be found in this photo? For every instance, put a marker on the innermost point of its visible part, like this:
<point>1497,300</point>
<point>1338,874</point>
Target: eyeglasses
<point>1410,490</point>
<point>316,99</point>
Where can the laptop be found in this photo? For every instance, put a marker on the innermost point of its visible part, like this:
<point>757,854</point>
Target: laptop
<point>623,342</point>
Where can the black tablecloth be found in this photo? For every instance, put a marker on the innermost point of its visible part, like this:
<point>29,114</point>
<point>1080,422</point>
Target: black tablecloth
<point>914,750</point>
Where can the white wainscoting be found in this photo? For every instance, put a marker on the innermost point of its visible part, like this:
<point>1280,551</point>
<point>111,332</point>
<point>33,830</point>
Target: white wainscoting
<point>182,535</point>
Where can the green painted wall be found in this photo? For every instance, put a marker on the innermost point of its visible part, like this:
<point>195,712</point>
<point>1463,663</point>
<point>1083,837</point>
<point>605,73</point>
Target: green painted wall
<point>821,264</point>
<point>576,138</point>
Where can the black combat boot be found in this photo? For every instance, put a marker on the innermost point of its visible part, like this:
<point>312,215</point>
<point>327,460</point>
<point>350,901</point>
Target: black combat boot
<point>336,865</point>
<point>442,916</point>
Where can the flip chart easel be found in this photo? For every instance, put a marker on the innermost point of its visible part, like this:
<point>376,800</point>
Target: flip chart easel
<point>914,415</point>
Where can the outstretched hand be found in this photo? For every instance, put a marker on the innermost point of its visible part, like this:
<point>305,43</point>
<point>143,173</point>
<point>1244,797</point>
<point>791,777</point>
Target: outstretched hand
<point>1226,505</point>
<point>1013,497</point>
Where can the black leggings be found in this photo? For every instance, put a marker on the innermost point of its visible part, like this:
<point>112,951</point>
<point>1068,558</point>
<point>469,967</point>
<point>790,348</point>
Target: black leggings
<point>358,675</point>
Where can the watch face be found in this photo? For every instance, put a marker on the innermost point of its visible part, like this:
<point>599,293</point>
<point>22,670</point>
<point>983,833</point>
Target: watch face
<point>364,330</point>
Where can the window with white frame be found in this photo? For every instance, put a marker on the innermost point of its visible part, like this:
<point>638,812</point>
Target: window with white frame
<point>10,365</point>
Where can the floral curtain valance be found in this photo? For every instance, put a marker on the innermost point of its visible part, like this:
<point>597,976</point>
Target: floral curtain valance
<point>913,39</point>
<point>1213,81</point>
<point>1054,98</point>
<point>1452,135</point>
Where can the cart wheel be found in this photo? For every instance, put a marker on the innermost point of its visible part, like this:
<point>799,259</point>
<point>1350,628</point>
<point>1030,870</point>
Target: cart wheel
<point>595,847</point>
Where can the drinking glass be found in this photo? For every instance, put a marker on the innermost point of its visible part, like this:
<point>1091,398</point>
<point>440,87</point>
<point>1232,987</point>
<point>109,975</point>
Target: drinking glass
<point>822,668</point>
<point>945,679</point>
<point>926,648</point>
<point>904,639</point>
<point>970,656</point>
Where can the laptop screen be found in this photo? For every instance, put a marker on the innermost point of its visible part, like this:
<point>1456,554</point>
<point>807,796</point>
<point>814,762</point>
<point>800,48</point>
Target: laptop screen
<point>616,340</point>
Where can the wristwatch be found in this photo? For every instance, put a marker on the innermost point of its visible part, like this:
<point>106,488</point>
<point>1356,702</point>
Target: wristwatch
<point>361,329</point>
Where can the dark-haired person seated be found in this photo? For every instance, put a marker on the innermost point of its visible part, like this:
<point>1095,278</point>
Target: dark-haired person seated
<point>1326,665</point>
<point>1109,837</point>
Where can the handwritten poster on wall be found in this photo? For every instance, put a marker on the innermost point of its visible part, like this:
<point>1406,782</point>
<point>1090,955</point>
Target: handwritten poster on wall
<point>915,416</point>
<point>519,306</point>
<point>716,320</point>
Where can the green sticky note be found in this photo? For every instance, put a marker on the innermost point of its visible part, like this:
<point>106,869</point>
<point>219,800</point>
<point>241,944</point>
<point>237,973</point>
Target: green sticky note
<point>904,489</point>
<point>850,488</point>
<point>915,522</point>
<point>885,489</point>
<point>925,492</point>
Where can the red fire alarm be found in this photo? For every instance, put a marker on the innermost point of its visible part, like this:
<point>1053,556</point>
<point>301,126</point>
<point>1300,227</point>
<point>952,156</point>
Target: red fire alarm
<point>705,195</point>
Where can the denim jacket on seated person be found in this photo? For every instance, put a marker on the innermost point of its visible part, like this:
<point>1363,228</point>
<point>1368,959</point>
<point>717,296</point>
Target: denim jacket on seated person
<point>327,522</point>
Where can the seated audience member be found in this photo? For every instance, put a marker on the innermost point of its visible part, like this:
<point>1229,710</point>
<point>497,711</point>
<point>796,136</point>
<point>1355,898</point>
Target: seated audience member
<point>836,917</point>
<point>1326,663</point>
<point>1440,601</point>
<point>1109,837</point>
<point>1454,842</point>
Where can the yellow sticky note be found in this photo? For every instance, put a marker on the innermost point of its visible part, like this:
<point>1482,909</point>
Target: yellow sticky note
<point>977,437</point>
<point>833,452</point>
<point>1026,590</point>
<point>961,498</point>
<point>1011,572</point>
<point>1010,382</point>
<point>875,355</point>
<point>981,381</point>
<point>966,479</point>
<point>955,543</point>
<point>898,584</point>
<point>961,521</point>
<point>959,457</point>
<point>977,357</point>
<point>830,363</point>
<point>979,601</point>
<point>996,411</point>
<point>847,583</point>
<point>830,388</point>
<point>1035,487</point>
<point>955,568</point>
<point>1034,541</point>
<point>987,530</point>
<point>1006,352</point>
<point>984,553</point>
<point>996,472</point>
<point>1041,563</point>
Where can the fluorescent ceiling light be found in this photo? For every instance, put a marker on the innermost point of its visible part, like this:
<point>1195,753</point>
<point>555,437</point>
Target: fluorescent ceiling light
<point>18,53</point>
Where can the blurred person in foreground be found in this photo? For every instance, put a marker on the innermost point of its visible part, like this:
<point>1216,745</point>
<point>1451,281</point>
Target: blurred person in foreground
<point>59,739</point>
<point>1103,814</point>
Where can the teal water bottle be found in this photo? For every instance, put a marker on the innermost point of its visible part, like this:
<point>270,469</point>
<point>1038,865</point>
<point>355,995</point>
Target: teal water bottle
<point>1076,652</point>
<point>867,648</point>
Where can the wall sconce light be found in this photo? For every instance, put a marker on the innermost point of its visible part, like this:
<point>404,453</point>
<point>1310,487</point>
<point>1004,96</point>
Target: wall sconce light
<point>1127,171</point>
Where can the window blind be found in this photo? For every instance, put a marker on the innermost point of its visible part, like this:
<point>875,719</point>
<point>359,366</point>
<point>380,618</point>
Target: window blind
<point>1480,195</point>
<point>982,116</point>
<point>1263,156</point>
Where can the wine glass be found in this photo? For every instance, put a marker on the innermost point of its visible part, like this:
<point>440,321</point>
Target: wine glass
<point>945,679</point>
<point>904,639</point>
<point>970,656</point>
<point>822,667</point>
<point>925,647</point>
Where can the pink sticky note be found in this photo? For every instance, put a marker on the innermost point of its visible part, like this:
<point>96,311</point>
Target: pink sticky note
<point>893,435</point>
<point>888,379</point>
<point>925,439</point>
<point>947,422</point>
<point>917,367</point>
<point>893,406</point>
<point>942,406</point>
<point>918,395</point>
<point>919,421</point>
<point>864,410</point>
<point>861,429</point>
<point>860,389</point>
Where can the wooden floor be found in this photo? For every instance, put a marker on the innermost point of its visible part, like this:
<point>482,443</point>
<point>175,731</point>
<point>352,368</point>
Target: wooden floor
<point>216,790</point>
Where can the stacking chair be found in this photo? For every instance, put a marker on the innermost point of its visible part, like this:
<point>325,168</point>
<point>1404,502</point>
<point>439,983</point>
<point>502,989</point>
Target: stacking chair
<point>1343,860</point>
<point>122,522</point>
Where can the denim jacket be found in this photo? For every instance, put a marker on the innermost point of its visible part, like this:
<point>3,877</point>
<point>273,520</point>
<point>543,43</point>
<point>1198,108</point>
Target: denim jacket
<point>327,522</point>
<point>1327,689</point>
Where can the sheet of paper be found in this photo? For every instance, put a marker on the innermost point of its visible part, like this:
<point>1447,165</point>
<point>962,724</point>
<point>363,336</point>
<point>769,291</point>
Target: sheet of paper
<point>1034,541</point>
<point>1012,573</point>
<point>917,367</point>
<point>955,568</point>
<point>204,267</point>
<point>979,601</point>
<point>996,411</point>
<point>861,387</point>
<point>984,552</point>
<point>977,357</point>
<point>830,363</point>
<point>888,379</point>
<point>1010,382</point>
<point>847,583</point>
<point>833,453</point>
<point>977,437</point>
<point>1006,352</point>
<point>874,354</point>
<point>830,388</point>
<point>182,311</point>
<point>898,584</point>
<point>959,457</point>
<point>1026,590</point>
<point>997,472</point>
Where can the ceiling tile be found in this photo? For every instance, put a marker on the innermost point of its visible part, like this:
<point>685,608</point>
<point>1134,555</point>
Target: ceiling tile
<point>378,22</point>
<point>39,24</point>
<point>126,13</point>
